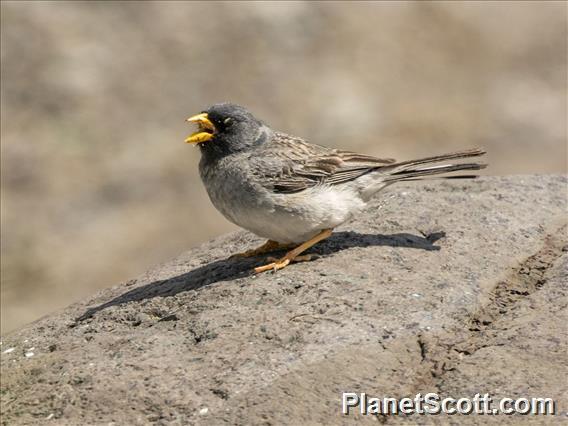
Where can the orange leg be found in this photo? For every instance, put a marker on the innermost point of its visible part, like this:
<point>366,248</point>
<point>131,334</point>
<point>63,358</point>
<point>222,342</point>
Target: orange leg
<point>295,254</point>
<point>267,247</point>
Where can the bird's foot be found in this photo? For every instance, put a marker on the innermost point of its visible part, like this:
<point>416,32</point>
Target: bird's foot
<point>277,264</point>
<point>267,247</point>
<point>294,255</point>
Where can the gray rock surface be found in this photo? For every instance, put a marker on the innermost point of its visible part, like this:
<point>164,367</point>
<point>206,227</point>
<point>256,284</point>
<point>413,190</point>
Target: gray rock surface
<point>449,287</point>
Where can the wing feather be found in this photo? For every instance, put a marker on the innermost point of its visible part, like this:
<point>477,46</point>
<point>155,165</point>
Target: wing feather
<point>298,165</point>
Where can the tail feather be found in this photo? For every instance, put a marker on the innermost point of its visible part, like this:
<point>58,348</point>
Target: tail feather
<point>408,170</point>
<point>434,170</point>
<point>468,153</point>
<point>456,177</point>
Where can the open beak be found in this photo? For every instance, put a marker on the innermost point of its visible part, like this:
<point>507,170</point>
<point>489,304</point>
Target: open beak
<point>206,129</point>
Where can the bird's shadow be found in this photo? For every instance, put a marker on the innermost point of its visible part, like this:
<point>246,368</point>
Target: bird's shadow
<point>233,268</point>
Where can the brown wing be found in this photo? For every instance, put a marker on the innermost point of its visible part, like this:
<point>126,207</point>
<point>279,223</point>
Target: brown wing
<point>292,165</point>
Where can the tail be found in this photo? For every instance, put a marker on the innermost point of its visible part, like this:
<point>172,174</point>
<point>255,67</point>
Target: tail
<point>411,170</point>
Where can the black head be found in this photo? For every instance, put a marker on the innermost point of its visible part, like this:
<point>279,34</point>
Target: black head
<point>227,128</point>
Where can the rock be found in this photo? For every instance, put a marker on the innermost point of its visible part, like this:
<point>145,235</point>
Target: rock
<point>454,287</point>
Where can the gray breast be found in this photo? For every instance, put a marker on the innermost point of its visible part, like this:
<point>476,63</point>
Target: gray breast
<point>233,189</point>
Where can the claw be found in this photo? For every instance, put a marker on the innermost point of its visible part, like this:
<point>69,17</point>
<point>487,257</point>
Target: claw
<point>282,263</point>
<point>293,255</point>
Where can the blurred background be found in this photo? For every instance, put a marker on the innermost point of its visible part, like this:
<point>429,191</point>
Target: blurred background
<point>97,184</point>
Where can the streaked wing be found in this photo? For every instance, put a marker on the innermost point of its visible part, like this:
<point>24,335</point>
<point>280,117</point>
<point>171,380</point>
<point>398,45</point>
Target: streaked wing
<point>297,165</point>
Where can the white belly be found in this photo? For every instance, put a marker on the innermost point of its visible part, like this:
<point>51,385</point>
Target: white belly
<point>294,218</point>
<point>286,218</point>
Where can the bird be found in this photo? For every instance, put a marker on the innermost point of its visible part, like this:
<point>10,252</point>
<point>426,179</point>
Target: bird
<point>292,192</point>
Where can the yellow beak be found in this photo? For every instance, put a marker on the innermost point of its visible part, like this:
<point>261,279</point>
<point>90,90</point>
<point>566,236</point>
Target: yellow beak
<point>206,129</point>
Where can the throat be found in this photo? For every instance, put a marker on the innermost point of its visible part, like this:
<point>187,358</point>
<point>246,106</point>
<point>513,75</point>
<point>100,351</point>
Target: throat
<point>217,148</point>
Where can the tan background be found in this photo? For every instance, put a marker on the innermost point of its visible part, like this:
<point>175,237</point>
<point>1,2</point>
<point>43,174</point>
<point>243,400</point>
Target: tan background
<point>97,184</point>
